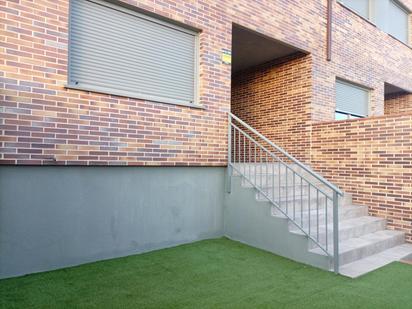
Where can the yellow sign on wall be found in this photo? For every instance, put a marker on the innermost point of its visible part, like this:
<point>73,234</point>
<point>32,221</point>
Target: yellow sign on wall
<point>226,56</point>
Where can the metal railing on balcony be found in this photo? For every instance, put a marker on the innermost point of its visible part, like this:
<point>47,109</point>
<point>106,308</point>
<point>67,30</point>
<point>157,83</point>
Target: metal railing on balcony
<point>308,200</point>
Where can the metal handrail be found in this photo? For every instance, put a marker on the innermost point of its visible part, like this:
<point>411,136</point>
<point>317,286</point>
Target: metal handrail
<point>283,212</point>
<point>271,158</point>
<point>286,154</point>
<point>279,159</point>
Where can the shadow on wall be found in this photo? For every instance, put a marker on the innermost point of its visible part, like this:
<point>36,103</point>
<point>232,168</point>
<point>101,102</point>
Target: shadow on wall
<point>275,99</point>
<point>53,217</point>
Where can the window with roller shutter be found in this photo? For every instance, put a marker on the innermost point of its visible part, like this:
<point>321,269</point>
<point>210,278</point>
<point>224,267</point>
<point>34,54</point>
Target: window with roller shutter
<point>352,101</point>
<point>123,52</point>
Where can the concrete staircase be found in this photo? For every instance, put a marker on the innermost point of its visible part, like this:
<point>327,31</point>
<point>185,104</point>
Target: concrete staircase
<point>365,243</point>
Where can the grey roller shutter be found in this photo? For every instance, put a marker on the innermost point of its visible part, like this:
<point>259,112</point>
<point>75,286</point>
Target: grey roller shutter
<point>398,23</point>
<point>352,99</point>
<point>359,6</point>
<point>119,51</point>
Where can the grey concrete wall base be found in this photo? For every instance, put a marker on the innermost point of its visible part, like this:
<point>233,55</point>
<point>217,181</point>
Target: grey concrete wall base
<point>53,217</point>
<point>251,222</point>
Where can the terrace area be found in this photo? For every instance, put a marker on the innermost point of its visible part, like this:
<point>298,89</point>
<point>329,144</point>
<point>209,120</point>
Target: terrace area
<point>207,274</point>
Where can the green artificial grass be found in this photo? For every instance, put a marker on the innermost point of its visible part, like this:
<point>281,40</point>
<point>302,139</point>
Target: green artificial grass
<point>217,273</point>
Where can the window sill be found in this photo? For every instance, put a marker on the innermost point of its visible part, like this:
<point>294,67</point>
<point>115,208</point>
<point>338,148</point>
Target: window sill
<point>132,95</point>
<point>395,38</point>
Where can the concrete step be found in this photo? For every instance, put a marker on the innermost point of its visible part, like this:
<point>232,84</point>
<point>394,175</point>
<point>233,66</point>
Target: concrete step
<point>345,212</point>
<point>296,209</point>
<point>270,180</point>
<point>357,248</point>
<point>302,201</point>
<point>375,261</point>
<point>364,243</point>
<point>269,170</point>
<point>297,187</point>
<point>349,228</point>
<point>269,167</point>
<point>291,191</point>
<point>297,200</point>
<point>260,168</point>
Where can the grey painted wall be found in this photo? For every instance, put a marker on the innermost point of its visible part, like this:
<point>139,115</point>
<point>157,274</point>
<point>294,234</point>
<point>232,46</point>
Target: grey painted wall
<point>251,222</point>
<point>52,217</point>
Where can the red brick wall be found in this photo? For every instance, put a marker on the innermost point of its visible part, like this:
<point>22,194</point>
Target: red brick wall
<point>370,158</point>
<point>275,99</point>
<point>42,121</point>
<point>398,104</point>
<point>364,54</point>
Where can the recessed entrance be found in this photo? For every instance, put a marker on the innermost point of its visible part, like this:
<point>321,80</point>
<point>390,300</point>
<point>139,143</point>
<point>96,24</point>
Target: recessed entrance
<point>251,48</point>
<point>271,87</point>
<point>397,100</point>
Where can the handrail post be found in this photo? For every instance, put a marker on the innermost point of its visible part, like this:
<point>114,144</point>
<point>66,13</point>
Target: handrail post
<point>335,232</point>
<point>229,154</point>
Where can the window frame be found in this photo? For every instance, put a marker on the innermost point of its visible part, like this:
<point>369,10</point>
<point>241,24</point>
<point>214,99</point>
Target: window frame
<point>134,11</point>
<point>408,13</point>
<point>369,18</point>
<point>348,115</point>
<point>351,115</point>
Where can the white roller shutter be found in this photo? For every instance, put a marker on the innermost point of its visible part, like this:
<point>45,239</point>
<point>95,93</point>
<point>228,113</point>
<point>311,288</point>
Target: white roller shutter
<point>352,99</point>
<point>398,23</point>
<point>119,51</point>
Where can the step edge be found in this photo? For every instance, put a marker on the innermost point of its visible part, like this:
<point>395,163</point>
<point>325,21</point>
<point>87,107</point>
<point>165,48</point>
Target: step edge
<point>395,234</point>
